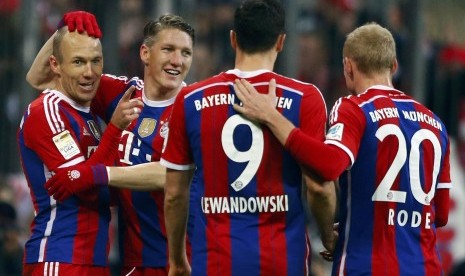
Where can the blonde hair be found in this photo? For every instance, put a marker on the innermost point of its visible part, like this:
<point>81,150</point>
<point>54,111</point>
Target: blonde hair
<point>372,47</point>
<point>57,40</point>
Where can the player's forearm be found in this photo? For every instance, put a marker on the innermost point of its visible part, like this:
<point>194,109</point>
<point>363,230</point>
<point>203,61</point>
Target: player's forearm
<point>322,202</point>
<point>40,75</point>
<point>176,213</point>
<point>144,177</point>
<point>279,125</point>
<point>441,207</point>
<point>107,150</point>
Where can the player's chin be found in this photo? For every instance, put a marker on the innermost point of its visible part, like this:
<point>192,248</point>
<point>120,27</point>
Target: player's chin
<point>90,94</point>
<point>86,98</point>
<point>173,83</point>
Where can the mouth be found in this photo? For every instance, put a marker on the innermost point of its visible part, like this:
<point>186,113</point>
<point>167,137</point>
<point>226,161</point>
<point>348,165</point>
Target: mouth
<point>88,86</point>
<point>172,72</point>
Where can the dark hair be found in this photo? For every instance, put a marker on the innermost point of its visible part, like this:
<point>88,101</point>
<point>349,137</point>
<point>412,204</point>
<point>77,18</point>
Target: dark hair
<point>167,21</point>
<point>257,24</point>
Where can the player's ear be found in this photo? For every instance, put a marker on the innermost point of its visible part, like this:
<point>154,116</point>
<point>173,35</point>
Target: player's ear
<point>395,65</point>
<point>232,37</point>
<point>144,53</point>
<point>54,64</point>
<point>348,67</point>
<point>280,42</point>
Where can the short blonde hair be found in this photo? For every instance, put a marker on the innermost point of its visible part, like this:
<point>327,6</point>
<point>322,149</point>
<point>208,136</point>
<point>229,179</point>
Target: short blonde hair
<point>372,47</point>
<point>57,40</point>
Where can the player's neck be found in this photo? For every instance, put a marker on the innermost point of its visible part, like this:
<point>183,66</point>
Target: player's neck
<point>365,82</point>
<point>260,61</point>
<point>154,92</point>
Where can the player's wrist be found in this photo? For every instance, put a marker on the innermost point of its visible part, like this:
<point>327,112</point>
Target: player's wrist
<point>113,129</point>
<point>290,138</point>
<point>271,116</point>
<point>100,175</point>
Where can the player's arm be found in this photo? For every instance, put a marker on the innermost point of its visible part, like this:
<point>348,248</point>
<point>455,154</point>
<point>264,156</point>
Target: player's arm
<point>145,177</point>
<point>40,75</point>
<point>74,179</point>
<point>261,108</point>
<point>321,198</point>
<point>442,206</point>
<point>125,112</point>
<point>327,161</point>
<point>69,180</point>
<point>441,199</point>
<point>176,213</point>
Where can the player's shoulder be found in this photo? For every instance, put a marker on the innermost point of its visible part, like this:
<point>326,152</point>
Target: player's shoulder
<point>109,79</point>
<point>306,90</point>
<point>376,92</point>
<point>44,108</point>
<point>47,100</point>
<point>295,83</point>
<point>214,81</point>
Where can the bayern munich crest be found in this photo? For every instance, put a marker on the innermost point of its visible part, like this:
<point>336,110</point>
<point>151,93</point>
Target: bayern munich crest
<point>74,174</point>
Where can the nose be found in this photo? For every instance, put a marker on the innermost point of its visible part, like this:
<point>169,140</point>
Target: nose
<point>176,58</point>
<point>88,71</point>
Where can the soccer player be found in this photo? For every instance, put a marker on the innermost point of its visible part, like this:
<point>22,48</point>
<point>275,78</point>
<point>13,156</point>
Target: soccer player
<point>393,154</point>
<point>248,212</point>
<point>59,130</point>
<point>166,53</point>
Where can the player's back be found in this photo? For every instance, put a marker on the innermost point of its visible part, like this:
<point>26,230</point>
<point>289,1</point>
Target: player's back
<point>249,214</point>
<point>390,187</point>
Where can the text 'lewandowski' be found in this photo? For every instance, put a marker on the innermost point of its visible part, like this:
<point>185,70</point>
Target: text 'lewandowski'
<point>272,204</point>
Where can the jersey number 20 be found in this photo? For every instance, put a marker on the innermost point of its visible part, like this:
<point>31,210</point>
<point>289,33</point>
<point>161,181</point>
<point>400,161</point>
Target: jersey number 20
<point>384,192</point>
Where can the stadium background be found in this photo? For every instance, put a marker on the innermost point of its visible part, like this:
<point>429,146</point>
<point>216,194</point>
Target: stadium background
<point>430,37</point>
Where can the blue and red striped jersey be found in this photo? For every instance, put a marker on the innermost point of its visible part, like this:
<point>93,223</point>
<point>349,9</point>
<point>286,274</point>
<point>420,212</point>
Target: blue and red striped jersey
<point>249,214</point>
<point>57,132</point>
<point>141,230</point>
<point>400,157</point>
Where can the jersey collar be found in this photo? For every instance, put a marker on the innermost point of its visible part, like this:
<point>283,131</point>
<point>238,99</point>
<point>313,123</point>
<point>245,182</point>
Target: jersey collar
<point>71,102</point>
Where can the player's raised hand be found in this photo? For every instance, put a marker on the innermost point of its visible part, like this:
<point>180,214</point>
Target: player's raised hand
<point>127,109</point>
<point>255,106</point>
<point>81,21</point>
<point>72,180</point>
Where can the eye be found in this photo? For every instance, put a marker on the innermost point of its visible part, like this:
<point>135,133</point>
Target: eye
<point>186,53</point>
<point>97,61</point>
<point>77,62</point>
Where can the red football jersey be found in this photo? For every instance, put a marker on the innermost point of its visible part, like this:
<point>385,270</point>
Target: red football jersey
<point>57,132</point>
<point>248,211</point>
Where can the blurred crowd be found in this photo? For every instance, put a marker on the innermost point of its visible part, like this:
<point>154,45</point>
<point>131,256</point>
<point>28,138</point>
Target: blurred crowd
<point>436,49</point>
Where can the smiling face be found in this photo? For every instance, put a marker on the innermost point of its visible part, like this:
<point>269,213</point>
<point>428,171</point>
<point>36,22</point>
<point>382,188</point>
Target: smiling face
<point>79,65</point>
<point>167,60</point>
